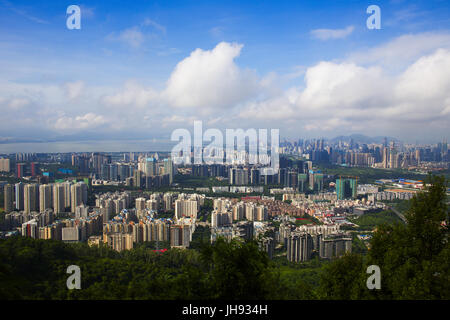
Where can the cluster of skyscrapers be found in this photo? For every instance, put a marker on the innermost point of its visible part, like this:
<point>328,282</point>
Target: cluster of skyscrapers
<point>388,154</point>
<point>33,197</point>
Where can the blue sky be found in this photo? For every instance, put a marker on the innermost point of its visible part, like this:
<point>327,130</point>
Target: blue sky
<point>133,69</point>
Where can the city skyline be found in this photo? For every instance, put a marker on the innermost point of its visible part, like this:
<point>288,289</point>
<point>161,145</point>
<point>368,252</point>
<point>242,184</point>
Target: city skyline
<point>140,71</point>
<point>155,145</point>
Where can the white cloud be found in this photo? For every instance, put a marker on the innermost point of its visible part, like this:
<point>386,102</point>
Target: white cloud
<point>359,94</point>
<point>136,36</point>
<point>133,94</point>
<point>89,120</point>
<point>332,85</point>
<point>74,89</point>
<point>402,50</point>
<point>427,79</point>
<point>327,34</point>
<point>132,36</point>
<point>150,22</point>
<point>349,97</point>
<point>210,79</point>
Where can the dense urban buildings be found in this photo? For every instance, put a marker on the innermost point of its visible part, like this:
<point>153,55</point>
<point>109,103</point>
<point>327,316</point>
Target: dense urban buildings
<point>44,206</point>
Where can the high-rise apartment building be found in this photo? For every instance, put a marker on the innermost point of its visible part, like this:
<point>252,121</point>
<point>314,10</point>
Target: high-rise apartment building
<point>167,201</point>
<point>31,198</point>
<point>5,165</point>
<point>168,169</point>
<point>8,197</point>
<point>335,245</point>
<point>58,198</point>
<point>180,236</point>
<point>219,219</point>
<point>67,194</point>
<point>150,167</point>
<point>78,195</point>
<point>45,197</point>
<point>20,170</point>
<point>299,247</point>
<point>120,241</point>
<point>346,188</point>
<point>186,208</point>
<point>140,203</point>
<point>19,189</point>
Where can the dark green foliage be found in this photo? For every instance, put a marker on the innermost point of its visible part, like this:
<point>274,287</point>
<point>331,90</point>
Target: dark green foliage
<point>36,269</point>
<point>371,220</point>
<point>341,279</point>
<point>201,237</point>
<point>238,270</point>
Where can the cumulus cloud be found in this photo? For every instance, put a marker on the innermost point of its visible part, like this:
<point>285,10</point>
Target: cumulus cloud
<point>333,85</point>
<point>343,95</point>
<point>403,50</point>
<point>210,79</point>
<point>327,34</point>
<point>361,94</point>
<point>427,79</point>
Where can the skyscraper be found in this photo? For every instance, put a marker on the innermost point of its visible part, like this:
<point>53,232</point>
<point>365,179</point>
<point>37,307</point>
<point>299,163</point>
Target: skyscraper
<point>179,236</point>
<point>8,197</point>
<point>137,178</point>
<point>58,198</point>
<point>34,168</point>
<point>31,197</point>
<point>45,197</point>
<point>150,167</point>
<point>168,169</point>
<point>19,188</point>
<point>299,247</point>
<point>78,194</point>
<point>346,188</point>
<point>385,157</point>
<point>67,194</point>
<point>20,172</point>
<point>5,165</point>
<point>188,208</point>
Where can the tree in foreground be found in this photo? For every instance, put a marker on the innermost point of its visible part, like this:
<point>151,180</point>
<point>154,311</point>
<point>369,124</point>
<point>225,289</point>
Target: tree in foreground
<point>414,258</point>
<point>239,270</point>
